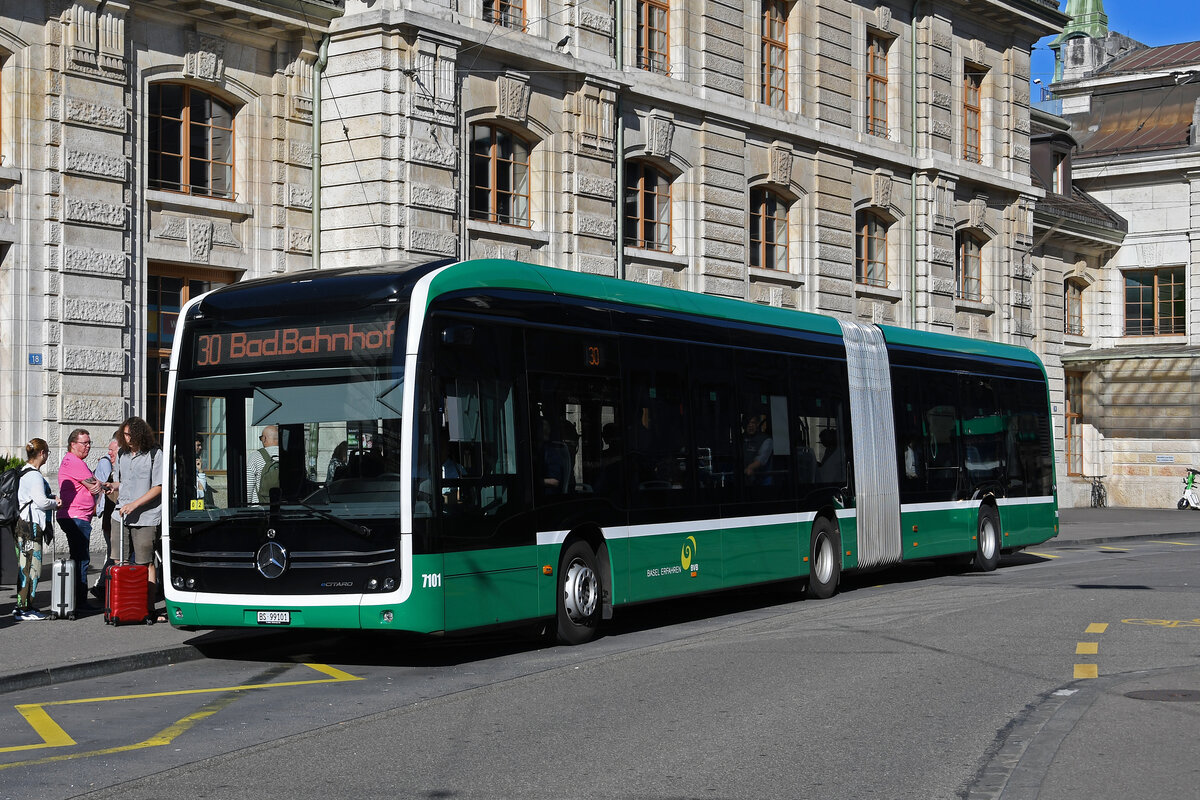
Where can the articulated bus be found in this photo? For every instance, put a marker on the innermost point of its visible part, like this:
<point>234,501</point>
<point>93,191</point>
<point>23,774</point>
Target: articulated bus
<point>454,446</point>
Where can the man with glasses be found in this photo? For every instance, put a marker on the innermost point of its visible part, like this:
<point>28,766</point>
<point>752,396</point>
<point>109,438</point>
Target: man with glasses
<point>78,488</point>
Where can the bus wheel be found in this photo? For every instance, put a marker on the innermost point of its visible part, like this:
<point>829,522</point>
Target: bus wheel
<point>578,595</point>
<point>824,560</point>
<point>987,542</point>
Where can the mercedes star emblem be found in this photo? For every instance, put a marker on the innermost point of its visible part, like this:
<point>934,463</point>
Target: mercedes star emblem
<point>272,560</point>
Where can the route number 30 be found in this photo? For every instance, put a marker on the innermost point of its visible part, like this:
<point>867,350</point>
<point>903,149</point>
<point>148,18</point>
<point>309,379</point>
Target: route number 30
<point>431,581</point>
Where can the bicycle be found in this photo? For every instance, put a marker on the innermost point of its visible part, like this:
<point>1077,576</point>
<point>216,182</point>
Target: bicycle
<point>1099,495</point>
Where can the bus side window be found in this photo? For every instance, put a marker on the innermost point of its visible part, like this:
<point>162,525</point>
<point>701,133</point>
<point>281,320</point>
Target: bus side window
<point>657,438</point>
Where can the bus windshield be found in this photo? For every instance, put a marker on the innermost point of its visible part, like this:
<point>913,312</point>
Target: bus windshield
<point>319,437</point>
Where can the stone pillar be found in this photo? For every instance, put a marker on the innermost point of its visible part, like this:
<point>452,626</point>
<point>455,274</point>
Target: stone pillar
<point>721,217</point>
<point>92,363</point>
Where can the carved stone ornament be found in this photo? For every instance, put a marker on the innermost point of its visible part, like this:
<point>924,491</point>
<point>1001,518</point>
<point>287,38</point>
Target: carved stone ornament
<point>512,97</point>
<point>205,57</point>
<point>200,239</point>
<point>1149,254</point>
<point>883,18</point>
<point>977,213</point>
<point>881,190</point>
<point>781,164</point>
<point>660,132</point>
<point>978,51</point>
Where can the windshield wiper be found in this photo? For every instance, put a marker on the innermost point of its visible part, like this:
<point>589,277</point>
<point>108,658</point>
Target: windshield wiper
<point>357,530</point>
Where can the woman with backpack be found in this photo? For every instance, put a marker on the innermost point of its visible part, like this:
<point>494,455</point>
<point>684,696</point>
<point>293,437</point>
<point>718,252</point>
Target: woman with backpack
<point>36,503</point>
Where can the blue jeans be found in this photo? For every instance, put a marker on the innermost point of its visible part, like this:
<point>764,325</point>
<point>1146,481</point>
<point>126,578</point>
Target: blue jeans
<point>79,535</point>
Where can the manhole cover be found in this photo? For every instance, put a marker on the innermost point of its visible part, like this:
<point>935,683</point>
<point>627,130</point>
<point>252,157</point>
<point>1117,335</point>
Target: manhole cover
<point>1167,695</point>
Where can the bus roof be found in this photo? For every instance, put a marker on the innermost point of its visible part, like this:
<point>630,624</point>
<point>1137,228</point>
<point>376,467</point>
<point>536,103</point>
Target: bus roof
<point>500,273</point>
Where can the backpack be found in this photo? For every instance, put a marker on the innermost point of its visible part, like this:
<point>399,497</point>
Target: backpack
<point>10,481</point>
<point>268,476</point>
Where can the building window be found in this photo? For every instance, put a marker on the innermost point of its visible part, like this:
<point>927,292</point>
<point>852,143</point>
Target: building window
<point>167,289</point>
<point>647,207</point>
<point>871,250</point>
<point>774,53</point>
<point>877,84</point>
<point>509,13</point>
<point>972,112</point>
<point>968,271</point>
<point>652,37</point>
<point>1058,173</point>
<point>1074,426</point>
<point>190,141</point>
<point>499,176</point>
<point>1074,308</point>
<point>1155,301</point>
<point>768,230</point>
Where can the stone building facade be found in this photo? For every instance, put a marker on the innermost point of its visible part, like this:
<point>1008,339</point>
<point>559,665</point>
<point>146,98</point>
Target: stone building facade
<point>840,156</point>
<point>1133,364</point>
<point>148,150</point>
<point>831,155</point>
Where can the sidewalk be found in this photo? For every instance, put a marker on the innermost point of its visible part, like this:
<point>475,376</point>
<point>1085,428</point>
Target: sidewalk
<point>45,653</point>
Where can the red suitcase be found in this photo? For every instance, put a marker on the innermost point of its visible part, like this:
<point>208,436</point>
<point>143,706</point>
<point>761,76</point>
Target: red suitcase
<point>127,590</point>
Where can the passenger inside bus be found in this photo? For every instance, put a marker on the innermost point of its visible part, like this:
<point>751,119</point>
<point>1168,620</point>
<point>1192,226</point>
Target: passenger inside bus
<point>832,467</point>
<point>556,460</point>
<point>757,449</point>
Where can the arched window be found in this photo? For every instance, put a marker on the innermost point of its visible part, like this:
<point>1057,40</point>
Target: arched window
<point>870,244</point>
<point>647,207</point>
<point>190,141</point>
<point>968,269</point>
<point>499,176</point>
<point>768,230</point>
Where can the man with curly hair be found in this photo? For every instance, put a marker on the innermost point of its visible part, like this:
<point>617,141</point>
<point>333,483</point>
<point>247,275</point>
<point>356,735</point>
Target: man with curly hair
<point>138,480</point>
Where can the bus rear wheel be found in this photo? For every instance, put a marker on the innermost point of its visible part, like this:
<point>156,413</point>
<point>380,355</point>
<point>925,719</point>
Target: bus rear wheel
<point>825,563</point>
<point>579,595</point>
<point>987,541</point>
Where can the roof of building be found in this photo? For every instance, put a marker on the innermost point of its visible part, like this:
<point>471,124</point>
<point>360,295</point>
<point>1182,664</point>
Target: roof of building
<point>1137,120</point>
<point>1154,59</point>
<point>1078,206</point>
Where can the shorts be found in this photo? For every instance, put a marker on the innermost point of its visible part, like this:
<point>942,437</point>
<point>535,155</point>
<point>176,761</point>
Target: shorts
<point>142,538</point>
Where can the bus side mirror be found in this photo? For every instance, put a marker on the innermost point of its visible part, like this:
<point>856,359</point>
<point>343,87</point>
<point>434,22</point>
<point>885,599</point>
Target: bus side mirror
<point>458,335</point>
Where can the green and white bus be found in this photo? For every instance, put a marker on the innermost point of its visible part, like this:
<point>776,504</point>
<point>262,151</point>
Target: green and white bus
<point>465,445</point>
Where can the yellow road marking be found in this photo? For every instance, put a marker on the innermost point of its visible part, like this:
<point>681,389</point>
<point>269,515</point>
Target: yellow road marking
<point>1041,555</point>
<point>53,735</point>
<point>1087,671</point>
<point>1087,648</point>
<point>1114,549</point>
<point>1097,627</point>
<point>1181,544</point>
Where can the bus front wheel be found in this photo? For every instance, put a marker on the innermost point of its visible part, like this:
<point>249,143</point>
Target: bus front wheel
<point>987,542</point>
<point>579,593</point>
<point>825,563</point>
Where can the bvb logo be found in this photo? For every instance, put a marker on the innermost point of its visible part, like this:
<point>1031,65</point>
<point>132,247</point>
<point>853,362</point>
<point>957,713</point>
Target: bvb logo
<point>685,557</point>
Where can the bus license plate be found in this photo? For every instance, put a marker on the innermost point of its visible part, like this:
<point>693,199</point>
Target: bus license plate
<point>274,617</point>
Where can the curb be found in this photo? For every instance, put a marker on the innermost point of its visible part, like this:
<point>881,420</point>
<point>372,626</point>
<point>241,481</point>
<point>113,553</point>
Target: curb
<point>49,676</point>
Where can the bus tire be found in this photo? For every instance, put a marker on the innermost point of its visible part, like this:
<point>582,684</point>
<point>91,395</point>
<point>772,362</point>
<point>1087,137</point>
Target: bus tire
<point>579,595</point>
<point>987,540</point>
<point>825,563</point>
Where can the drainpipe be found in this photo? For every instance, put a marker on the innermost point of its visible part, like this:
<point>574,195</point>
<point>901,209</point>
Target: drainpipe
<point>318,74</point>
<point>619,144</point>
<point>912,178</point>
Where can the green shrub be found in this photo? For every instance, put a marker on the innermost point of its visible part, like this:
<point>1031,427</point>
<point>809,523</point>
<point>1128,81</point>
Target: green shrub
<point>8,462</point>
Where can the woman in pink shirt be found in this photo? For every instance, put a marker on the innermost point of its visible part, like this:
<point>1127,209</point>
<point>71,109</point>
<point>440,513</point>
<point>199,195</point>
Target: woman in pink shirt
<point>77,489</point>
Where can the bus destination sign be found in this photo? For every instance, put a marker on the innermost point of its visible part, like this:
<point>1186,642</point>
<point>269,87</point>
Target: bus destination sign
<point>300,343</point>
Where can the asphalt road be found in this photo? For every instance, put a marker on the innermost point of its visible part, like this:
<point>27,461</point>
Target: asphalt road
<point>916,683</point>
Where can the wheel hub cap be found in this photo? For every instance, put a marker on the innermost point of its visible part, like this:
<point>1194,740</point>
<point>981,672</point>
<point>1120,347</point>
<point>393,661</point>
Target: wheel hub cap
<point>581,591</point>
